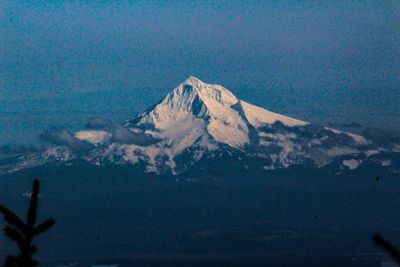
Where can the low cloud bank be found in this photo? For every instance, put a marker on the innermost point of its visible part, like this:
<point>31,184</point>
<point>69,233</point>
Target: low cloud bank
<point>61,136</point>
<point>121,134</point>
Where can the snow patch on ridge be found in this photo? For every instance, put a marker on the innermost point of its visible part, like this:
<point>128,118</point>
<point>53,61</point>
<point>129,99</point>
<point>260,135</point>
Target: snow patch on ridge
<point>259,117</point>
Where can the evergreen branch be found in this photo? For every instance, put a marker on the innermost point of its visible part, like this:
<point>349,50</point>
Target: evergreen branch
<point>46,225</point>
<point>11,261</point>
<point>23,233</point>
<point>12,219</point>
<point>388,247</point>
<point>13,234</point>
<point>31,218</point>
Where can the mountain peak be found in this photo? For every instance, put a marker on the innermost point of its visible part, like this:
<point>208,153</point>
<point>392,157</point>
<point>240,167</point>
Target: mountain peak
<point>194,89</point>
<point>192,80</point>
<point>213,103</point>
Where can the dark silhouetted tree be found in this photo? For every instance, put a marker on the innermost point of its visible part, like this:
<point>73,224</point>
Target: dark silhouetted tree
<point>23,233</point>
<point>388,247</point>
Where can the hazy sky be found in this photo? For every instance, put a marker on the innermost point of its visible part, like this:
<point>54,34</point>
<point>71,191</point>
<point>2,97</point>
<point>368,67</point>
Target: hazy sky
<point>315,56</point>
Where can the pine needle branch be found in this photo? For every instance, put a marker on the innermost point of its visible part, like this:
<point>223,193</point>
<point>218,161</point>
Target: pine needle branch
<point>23,233</point>
<point>388,247</point>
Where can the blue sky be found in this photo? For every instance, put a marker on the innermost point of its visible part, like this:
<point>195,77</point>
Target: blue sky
<point>310,59</point>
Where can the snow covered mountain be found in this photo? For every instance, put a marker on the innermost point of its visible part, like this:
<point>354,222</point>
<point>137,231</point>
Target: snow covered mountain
<point>197,121</point>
